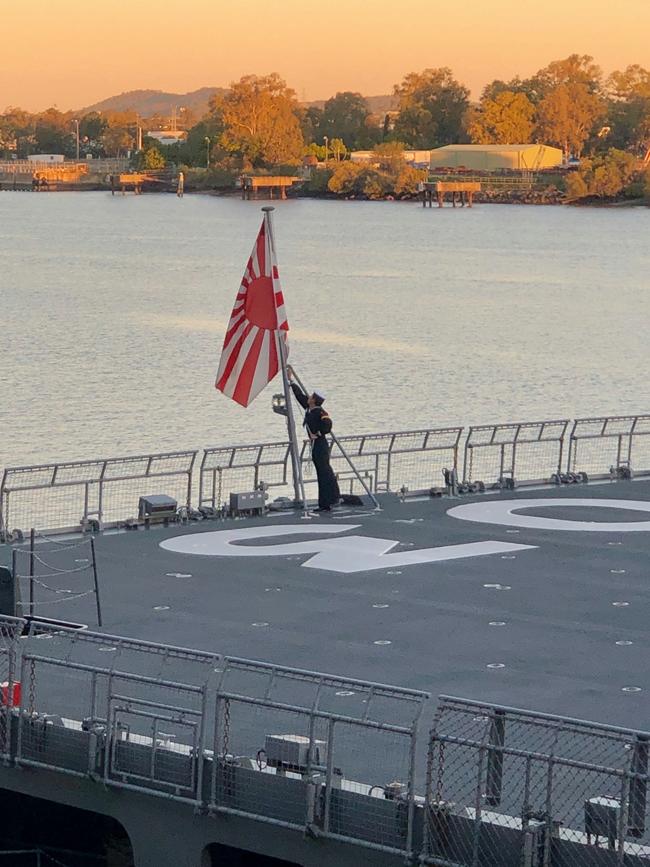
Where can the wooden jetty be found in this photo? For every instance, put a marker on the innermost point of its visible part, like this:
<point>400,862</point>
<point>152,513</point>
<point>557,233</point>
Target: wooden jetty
<point>150,179</point>
<point>461,191</point>
<point>270,186</point>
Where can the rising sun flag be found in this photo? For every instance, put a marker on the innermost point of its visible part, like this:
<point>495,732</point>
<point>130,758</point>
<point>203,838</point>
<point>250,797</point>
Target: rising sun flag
<point>250,356</point>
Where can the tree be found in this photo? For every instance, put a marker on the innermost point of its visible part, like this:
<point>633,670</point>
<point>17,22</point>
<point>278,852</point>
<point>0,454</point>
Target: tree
<point>575,69</point>
<point>92,126</point>
<point>16,131</point>
<point>260,117</point>
<point>345,180</point>
<point>338,149</point>
<point>629,108</point>
<point>567,116</point>
<point>345,117</point>
<point>152,158</point>
<point>506,118</point>
<point>53,133</point>
<point>310,123</point>
<point>431,108</point>
<point>604,176</point>
<point>117,141</point>
<point>390,156</point>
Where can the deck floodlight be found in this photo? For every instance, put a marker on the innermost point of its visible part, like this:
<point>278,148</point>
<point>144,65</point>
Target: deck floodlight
<point>279,404</point>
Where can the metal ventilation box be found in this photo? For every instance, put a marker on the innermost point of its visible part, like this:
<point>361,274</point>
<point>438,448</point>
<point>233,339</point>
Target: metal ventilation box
<point>602,818</point>
<point>250,501</point>
<point>292,751</point>
<point>157,507</point>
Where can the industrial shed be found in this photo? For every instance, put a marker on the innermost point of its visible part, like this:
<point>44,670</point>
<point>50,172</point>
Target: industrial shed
<point>492,158</point>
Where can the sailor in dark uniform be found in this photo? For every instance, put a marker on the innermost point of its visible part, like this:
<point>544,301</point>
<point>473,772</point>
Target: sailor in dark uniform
<point>318,424</point>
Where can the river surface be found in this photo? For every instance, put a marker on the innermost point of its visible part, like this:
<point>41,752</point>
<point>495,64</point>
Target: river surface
<point>113,312</point>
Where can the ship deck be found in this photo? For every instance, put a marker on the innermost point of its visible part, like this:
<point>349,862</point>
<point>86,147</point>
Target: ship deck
<point>553,620</point>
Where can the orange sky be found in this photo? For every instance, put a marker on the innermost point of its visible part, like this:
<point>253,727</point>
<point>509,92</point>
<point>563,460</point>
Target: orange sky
<point>75,52</point>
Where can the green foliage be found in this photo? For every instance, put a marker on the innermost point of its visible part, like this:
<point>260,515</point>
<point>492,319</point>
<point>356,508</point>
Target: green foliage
<point>629,108</point>
<point>567,116</point>
<point>92,126</point>
<point>150,158</point>
<point>604,176</point>
<point>319,180</point>
<point>432,105</point>
<point>345,117</point>
<point>217,178</point>
<point>506,118</point>
<point>575,69</point>
<point>346,179</point>
<point>408,180</point>
<point>337,149</point>
<point>390,156</point>
<point>374,182</point>
<point>260,117</point>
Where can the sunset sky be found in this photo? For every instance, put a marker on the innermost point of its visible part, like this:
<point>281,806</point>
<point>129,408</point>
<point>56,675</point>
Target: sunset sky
<point>72,53</point>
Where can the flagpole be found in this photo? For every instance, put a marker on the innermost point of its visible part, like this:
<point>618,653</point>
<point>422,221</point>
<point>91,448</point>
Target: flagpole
<point>344,453</point>
<point>296,465</point>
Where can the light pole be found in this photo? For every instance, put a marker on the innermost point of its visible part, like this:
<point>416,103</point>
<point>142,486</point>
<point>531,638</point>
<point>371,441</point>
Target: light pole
<point>326,140</point>
<point>76,122</point>
<point>207,153</point>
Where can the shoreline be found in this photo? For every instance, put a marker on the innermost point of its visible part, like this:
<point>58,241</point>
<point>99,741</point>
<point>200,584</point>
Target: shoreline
<point>545,198</point>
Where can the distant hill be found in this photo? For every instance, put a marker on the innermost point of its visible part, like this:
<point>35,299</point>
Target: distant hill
<point>150,102</point>
<point>376,104</point>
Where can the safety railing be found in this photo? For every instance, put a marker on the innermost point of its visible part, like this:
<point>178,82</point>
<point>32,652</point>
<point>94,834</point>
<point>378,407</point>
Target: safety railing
<point>71,494</point>
<point>397,461</point>
<point>506,786</point>
<point>329,755</point>
<point>393,461</point>
<point>610,445</point>
<point>232,469</point>
<point>521,452</point>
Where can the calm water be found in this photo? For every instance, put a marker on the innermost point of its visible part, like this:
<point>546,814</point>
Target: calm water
<point>113,312</point>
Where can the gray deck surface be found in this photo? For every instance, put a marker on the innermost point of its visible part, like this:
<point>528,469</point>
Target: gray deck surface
<point>558,644</point>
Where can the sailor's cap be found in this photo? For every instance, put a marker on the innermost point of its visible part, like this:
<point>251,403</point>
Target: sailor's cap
<point>319,393</point>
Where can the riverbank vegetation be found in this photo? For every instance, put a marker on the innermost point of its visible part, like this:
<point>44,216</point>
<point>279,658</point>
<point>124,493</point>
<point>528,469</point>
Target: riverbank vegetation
<point>258,126</point>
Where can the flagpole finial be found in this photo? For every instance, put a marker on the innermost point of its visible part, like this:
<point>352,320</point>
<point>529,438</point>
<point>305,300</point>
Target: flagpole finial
<point>268,208</point>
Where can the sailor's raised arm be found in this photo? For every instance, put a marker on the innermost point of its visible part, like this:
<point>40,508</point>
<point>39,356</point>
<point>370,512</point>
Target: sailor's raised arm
<point>299,394</point>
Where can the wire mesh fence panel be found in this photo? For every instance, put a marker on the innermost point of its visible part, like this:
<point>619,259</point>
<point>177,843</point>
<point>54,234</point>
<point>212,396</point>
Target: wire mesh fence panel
<point>308,749</point>
<point>70,494</point>
<point>370,804</point>
<point>235,469</point>
<point>57,697</point>
<point>594,456</point>
<point>10,686</point>
<point>43,508</point>
<point>640,446</point>
<point>155,735</point>
<point>511,787</point>
<point>599,446</point>
<point>417,458</point>
<point>525,451</point>
<point>120,499</point>
<point>261,753</point>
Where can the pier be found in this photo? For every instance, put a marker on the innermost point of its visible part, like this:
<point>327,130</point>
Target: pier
<point>267,186</point>
<point>461,191</point>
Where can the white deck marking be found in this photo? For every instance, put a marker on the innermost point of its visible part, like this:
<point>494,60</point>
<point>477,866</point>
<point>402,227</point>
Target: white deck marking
<point>504,512</point>
<point>346,554</point>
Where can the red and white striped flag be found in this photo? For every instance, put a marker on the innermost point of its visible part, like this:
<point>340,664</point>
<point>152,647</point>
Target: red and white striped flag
<point>249,359</point>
